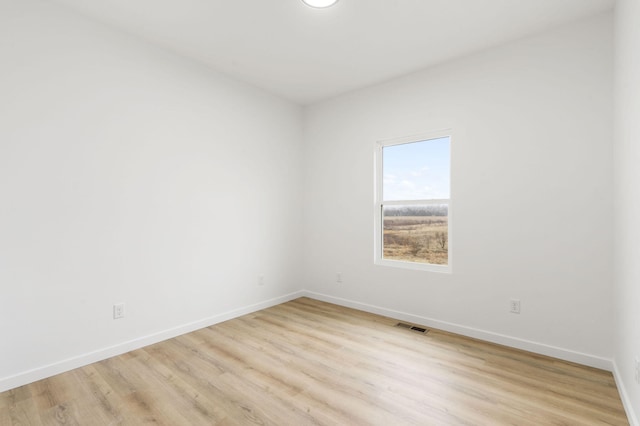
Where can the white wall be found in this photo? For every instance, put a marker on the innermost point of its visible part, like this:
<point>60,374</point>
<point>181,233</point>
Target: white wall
<point>130,175</point>
<point>531,193</point>
<point>627,201</point>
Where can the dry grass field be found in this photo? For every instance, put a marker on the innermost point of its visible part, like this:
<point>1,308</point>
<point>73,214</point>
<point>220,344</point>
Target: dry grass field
<point>422,239</point>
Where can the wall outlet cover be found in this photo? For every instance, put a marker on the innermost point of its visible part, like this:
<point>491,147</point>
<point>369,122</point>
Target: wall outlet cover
<point>118,311</point>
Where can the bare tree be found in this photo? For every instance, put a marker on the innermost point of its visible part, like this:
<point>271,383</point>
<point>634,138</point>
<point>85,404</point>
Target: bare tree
<point>441,237</point>
<point>415,246</point>
<point>426,242</point>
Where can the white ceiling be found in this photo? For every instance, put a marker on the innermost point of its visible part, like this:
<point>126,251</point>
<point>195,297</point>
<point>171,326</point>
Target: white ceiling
<point>307,55</point>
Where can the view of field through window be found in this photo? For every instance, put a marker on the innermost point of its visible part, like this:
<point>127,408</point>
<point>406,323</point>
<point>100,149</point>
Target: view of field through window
<point>416,234</point>
<point>415,201</point>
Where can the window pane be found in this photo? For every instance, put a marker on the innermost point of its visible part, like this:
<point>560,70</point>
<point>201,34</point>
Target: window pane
<point>418,233</point>
<point>416,171</point>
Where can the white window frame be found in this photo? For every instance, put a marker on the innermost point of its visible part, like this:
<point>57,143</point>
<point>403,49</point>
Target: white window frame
<point>379,203</point>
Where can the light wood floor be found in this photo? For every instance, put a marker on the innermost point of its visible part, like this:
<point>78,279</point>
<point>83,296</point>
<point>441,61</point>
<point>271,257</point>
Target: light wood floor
<point>311,363</point>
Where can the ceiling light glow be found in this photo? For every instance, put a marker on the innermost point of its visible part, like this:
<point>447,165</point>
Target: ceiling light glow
<point>319,3</point>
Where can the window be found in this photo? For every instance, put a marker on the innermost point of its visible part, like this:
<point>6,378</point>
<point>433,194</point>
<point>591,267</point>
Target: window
<point>413,203</point>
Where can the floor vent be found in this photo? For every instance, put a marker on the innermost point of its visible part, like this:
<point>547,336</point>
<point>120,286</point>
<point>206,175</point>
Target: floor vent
<point>412,327</point>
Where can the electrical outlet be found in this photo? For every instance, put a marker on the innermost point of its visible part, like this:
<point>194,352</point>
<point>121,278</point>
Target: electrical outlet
<point>260,279</point>
<point>118,311</point>
<point>514,306</point>
<point>638,370</point>
<point>338,277</point>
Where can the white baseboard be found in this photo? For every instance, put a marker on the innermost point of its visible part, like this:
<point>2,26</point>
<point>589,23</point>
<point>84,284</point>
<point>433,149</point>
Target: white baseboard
<point>626,401</point>
<point>514,342</point>
<point>40,373</point>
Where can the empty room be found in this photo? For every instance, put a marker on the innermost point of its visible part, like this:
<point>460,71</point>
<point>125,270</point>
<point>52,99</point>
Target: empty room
<point>292,212</point>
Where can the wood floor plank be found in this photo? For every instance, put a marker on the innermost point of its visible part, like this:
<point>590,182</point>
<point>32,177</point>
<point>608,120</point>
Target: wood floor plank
<point>307,362</point>
<point>100,398</point>
<point>24,413</point>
